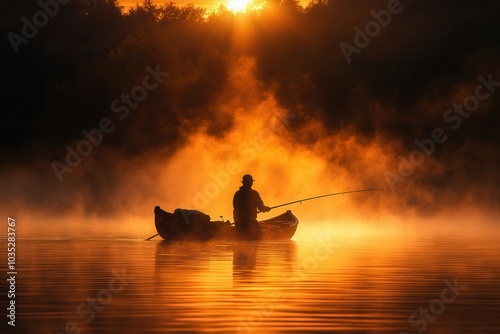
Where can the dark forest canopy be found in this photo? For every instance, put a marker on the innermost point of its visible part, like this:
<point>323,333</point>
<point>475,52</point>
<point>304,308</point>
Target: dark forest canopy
<point>65,78</point>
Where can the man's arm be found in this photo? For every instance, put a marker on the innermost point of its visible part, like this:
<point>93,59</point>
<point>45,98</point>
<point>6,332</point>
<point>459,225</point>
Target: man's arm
<point>260,204</point>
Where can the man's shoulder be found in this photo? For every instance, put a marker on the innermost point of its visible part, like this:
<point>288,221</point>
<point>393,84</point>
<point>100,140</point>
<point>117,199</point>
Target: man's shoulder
<point>255,192</point>
<point>239,192</point>
<point>243,190</point>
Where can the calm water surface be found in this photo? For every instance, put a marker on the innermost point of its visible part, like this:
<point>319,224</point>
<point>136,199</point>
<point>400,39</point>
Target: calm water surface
<point>321,284</point>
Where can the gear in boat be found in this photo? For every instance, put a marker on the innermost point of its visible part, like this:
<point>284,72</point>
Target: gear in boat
<point>195,225</point>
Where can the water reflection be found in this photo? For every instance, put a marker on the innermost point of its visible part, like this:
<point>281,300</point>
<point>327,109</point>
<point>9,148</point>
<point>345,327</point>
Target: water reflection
<point>364,285</point>
<point>272,257</point>
<point>195,257</point>
<point>244,261</point>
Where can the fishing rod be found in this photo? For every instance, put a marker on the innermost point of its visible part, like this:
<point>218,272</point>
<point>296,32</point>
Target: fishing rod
<point>304,200</point>
<point>321,196</point>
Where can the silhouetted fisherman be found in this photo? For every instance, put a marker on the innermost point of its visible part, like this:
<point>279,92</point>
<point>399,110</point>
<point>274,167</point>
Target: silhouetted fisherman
<point>246,202</point>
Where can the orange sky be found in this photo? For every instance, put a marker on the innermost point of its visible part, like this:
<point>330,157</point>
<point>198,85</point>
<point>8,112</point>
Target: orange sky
<point>208,4</point>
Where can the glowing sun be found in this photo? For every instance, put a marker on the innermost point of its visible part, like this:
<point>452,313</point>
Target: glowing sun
<point>238,5</point>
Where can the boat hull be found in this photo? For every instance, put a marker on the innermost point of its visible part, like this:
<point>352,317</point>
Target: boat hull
<point>173,226</point>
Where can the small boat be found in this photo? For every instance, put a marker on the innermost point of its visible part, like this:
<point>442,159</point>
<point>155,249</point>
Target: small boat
<point>194,225</point>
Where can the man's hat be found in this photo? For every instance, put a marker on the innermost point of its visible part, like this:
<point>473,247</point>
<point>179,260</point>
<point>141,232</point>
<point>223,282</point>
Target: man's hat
<point>247,178</point>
